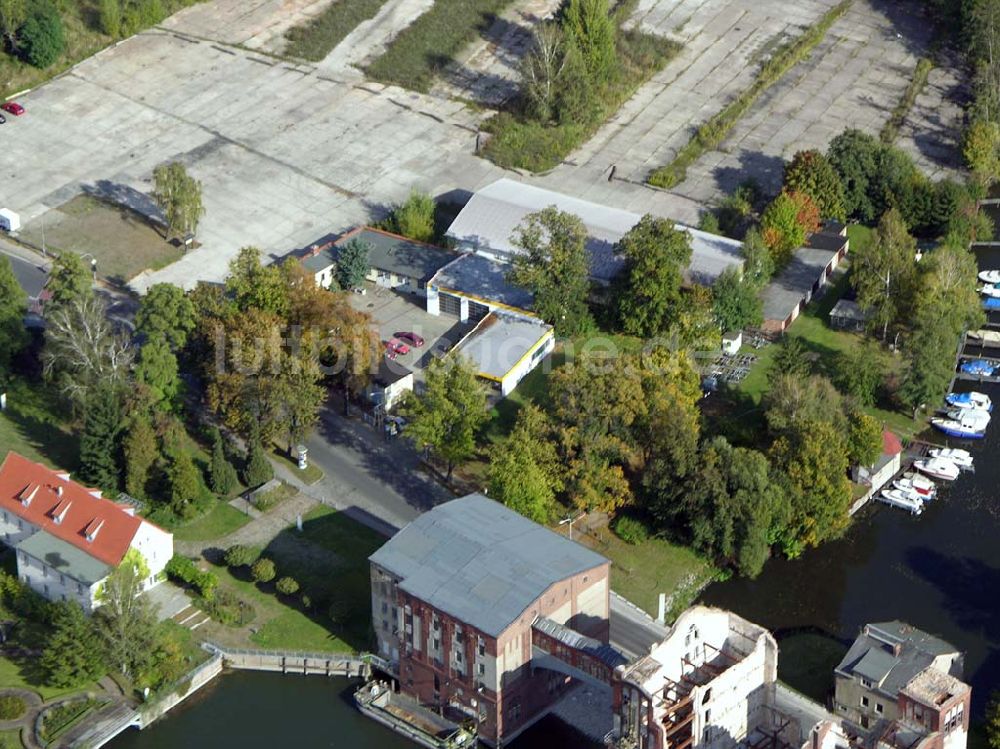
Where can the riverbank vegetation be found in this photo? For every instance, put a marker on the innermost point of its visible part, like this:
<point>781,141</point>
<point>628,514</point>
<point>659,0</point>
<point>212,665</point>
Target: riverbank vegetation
<point>582,68</point>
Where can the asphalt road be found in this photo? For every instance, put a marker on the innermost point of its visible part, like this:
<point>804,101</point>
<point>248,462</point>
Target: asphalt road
<point>30,273</point>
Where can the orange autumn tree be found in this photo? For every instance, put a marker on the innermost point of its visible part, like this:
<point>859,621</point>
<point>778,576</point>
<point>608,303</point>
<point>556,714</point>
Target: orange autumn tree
<point>786,223</point>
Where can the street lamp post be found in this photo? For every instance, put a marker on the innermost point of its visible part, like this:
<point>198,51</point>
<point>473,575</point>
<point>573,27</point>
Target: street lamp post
<point>569,521</point>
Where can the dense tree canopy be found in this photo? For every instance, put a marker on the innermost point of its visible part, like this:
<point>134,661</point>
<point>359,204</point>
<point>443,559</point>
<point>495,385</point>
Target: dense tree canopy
<point>884,273</point>
<point>810,173</point>
<point>735,302</point>
<point>166,311</point>
<point>352,263</point>
<point>524,471</point>
<point>13,307</point>
<point>786,223</point>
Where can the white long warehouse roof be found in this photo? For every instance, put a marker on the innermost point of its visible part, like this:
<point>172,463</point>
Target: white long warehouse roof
<point>488,222</point>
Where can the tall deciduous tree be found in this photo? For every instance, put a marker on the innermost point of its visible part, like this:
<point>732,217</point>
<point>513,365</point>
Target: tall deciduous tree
<point>864,438</point>
<point>168,312</point>
<point>73,655</point>
<point>884,272</point>
<point>178,195</point>
<point>982,151</point>
<point>69,282</point>
<point>157,368</point>
<point>255,286</point>
<point>99,441</point>
<point>352,263</point>
<point>735,302</point>
<point>524,471</point>
<point>13,307</point>
<point>758,265</point>
<point>125,620</point>
<point>855,155</point>
<point>541,70</point>
<point>786,223</point>
<point>648,289</point>
<point>555,267</point>
<point>809,172</point>
<point>446,417</point>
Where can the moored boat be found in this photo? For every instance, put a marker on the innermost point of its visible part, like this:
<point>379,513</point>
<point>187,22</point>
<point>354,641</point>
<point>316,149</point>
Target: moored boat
<point>955,428</point>
<point>990,276</point>
<point>990,290</point>
<point>914,483</point>
<point>961,458</point>
<point>897,498</point>
<point>991,303</point>
<point>937,468</point>
<point>969,400</point>
<point>977,367</point>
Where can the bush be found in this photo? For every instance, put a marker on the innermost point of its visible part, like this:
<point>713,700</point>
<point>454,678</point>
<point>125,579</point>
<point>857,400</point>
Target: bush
<point>263,570</point>
<point>229,609</point>
<point>42,37</point>
<point>414,218</point>
<point>12,707</point>
<point>186,571</point>
<point>317,37</point>
<point>239,555</point>
<point>287,586</point>
<point>630,530</point>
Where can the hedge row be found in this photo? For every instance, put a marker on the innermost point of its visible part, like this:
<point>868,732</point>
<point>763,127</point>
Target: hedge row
<point>713,132</point>
<point>891,128</point>
<point>186,571</point>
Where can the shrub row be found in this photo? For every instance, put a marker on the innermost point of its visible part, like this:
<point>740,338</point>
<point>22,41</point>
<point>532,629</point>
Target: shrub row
<point>891,128</point>
<point>184,570</point>
<point>713,132</point>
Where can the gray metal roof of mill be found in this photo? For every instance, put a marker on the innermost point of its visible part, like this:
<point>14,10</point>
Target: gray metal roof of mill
<point>480,562</point>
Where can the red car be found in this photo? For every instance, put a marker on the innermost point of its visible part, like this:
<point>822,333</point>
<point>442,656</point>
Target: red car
<point>411,338</point>
<point>13,107</point>
<point>393,346</point>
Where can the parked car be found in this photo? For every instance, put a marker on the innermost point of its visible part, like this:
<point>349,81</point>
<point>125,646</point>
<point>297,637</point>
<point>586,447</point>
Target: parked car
<point>2,119</point>
<point>411,338</point>
<point>396,347</point>
<point>13,107</point>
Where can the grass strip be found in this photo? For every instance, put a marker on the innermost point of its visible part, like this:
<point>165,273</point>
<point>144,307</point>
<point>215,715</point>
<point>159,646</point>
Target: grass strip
<point>427,46</point>
<point>891,128</point>
<point>316,38</point>
<point>713,132</point>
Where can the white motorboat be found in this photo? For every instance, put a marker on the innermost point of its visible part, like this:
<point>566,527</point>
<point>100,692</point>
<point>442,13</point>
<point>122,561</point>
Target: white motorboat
<point>961,458</point>
<point>897,498</point>
<point>990,290</point>
<point>954,428</point>
<point>937,468</point>
<point>990,276</point>
<point>922,486</point>
<point>972,418</point>
<point>971,399</point>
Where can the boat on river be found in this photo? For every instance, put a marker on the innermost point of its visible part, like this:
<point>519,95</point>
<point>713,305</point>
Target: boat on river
<point>958,456</point>
<point>991,304</point>
<point>990,290</point>
<point>898,498</point>
<point>955,428</point>
<point>969,400</point>
<point>973,418</point>
<point>977,367</point>
<point>990,276</point>
<point>937,468</point>
<point>914,483</point>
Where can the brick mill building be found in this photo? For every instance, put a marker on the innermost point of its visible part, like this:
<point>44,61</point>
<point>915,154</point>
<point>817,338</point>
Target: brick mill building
<point>486,614</point>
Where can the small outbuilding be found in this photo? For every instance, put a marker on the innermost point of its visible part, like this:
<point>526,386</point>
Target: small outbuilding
<point>847,315</point>
<point>732,342</point>
<point>9,221</point>
<point>389,384</point>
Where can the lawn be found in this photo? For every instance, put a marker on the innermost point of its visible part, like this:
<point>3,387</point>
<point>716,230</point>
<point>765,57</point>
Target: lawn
<point>641,572</point>
<point>282,623</point>
<point>219,521</point>
<point>316,38</point>
<point>10,738</point>
<point>123,241</point>
<point>24,673</point>
<point>32,425</point>
<point>309,476</point>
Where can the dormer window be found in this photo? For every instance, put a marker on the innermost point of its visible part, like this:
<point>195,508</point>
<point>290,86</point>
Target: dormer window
<point>26,496</point>
<point>92,529</point>
<point>59,511</point>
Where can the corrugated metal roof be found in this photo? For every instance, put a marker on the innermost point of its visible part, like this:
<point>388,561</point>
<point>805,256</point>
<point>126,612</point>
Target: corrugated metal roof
<point>480,562</point>
<point>603,652</point>
<point>490,218</point>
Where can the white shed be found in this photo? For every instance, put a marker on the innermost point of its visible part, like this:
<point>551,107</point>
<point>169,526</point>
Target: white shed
<point>9,221</point>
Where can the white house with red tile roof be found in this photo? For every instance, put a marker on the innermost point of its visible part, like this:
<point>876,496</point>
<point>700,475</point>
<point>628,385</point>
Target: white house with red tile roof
<point>68,537</point>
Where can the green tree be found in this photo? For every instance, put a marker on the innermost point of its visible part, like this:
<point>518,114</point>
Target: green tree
<point>541,69</point>
<point>263,570</point>
<point>810,172</point>
<point>794,403</point>
<point>982,151</point>
<point>588,26</point>
<point>413,218</point>
<point>184,481</point>
<point>13,13</point>
<point>791,359</point>
<point>178,195</point>
<point>72,656</point>
<point>814,463</point>
<point>446,417</point>
<point>287,586</point>
<point>13,307</point>
<point>758,265</point>
<point>241,556</point>
<point>884,272</point>
<point>41,38</point>
<point>648,289</point>
<point>732,508</point>
<point>99,441</point>
<point>125,620</point>
<point>786,223</point>
<point>524,471</point>
<point>555,267</point>
<point>735,302</point>
<point>855,156</point>
<point>141,452</point>
<point>860,372</point>
<point>223,475</point>
<point>930,351</point>
<point>254,286</point>
<point>157,368</point>
<point>69,281</point>
<point>864,438</point>
<point>258,468</point>
<point>948,288</point>
<point>352,263</point>
<point>166,311</point>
